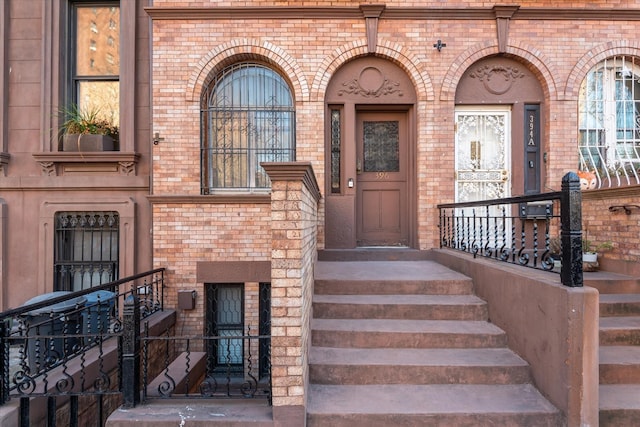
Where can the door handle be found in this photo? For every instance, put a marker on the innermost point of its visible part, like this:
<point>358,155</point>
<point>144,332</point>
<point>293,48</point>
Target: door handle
<point>358,167</point>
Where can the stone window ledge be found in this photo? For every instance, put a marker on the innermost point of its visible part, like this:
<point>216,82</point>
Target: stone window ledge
<point>122,163</point>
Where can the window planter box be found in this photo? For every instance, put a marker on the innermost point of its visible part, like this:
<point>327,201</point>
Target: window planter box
<point>87,142</point>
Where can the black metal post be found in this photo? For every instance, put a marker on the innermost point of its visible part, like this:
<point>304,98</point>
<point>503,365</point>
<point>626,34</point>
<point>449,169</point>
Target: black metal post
<point>571,231</point>
<point>131,351</point>
<point>25,420</point>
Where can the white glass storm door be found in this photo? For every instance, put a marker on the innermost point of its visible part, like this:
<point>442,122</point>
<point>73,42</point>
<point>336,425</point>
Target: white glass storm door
<point>482,161</point>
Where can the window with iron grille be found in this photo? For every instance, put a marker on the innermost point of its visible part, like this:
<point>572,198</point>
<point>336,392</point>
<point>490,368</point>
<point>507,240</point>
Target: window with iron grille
<point>247,117</point>
<point>609,121</point>
<point>85,249</point>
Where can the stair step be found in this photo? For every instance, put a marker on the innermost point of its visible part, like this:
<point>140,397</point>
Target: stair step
<point>432,405</point>
<point>374,254</point>
<point>619,305</point>
<point>620,364</point>
<point>389,277</point>
<point>607,282</point>
<point>416,366</point>
<point>620,330</point>
<point>385,333</point>
<point>619,405</point>
<point>441,307</point>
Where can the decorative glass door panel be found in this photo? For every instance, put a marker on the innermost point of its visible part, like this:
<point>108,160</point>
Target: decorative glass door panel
<point>380,146</point>
<point>382,213</point>
<point>483,165</point>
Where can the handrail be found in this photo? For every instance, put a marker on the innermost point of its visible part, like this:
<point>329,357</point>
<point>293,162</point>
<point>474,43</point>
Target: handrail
<point>55,300</point>
<point>49,338</point>
<point>556,195</point>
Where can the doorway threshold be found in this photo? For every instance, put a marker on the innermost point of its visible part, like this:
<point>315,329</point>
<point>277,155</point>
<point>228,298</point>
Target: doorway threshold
<point>375,253</point>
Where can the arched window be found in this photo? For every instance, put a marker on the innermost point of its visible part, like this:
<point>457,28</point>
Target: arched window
<point>248,118</point>
<point>609,121</point>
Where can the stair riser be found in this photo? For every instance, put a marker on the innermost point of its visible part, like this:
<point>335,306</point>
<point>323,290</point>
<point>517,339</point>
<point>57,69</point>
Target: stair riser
<point>614,286</point>
<point>619,374</point>
<point>348,339</point>
<point>434,420</point>
<point>616,418</point>
<point>620,337</point>
<point>368,375</point>
<point>619,309</point>
<point>436,287</point>
<point>395,311</point>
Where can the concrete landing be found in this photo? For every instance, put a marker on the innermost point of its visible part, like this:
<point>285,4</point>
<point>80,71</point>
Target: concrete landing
<point>175,412</point>
<point>385,271</point>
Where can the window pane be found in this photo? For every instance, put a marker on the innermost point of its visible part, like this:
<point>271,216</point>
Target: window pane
<point>97,41</point>
<point>102,97</point>
<point>381,146</point>
<point>336,140</point>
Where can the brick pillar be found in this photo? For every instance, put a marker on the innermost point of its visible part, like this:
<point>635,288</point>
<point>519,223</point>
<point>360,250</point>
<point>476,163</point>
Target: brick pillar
<point>294,214</point>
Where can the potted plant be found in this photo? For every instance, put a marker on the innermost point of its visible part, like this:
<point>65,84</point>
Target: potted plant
<point>87,130</point>
<point>590,250</point>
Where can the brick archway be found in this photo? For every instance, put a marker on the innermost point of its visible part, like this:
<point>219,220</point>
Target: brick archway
<point>242,50</point>
<point>392,52</point>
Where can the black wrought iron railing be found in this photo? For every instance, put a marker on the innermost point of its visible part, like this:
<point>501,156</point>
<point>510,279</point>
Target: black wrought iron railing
<point>98,343</point>
<point>542,231</point>
<point>234,371</point>
<point>184,366</point>
<point>68,344</point>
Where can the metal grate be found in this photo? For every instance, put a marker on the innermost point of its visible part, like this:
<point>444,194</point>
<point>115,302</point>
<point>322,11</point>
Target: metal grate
<point>225,318</point>
<point>248,117</point>
<point>86,249</point>
<point>609,122</point>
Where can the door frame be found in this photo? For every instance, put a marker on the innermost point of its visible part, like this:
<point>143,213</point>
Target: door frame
<point>366,181</point>
<point>368,83</point>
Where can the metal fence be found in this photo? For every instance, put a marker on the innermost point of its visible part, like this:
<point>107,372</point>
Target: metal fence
<point>542,231</point>
<point>189,372</point>
<point>64,345</point>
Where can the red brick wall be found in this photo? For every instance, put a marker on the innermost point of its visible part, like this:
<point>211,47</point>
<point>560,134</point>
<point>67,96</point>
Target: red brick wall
<point>307,52</point>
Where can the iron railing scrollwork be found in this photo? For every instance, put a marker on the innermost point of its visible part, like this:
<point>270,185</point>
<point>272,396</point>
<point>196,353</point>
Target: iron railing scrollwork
<point>225,380</point>
<point>538,231</point>
<point>68,344</point>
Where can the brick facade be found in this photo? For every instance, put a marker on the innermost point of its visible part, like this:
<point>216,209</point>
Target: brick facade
<point>188,50</point>
<point>558,42</point>
<point>171,51</point>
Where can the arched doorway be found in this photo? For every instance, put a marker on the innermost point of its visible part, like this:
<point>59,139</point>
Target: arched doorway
<point>370,152</point>
<point>499,131</point>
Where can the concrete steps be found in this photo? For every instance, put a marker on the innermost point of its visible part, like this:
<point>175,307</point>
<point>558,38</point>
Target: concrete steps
<point>407,343</point>
<point>393,333</point>
<point>416,307</point>
<point>619,353</point>
<point>443,405</point>
<point>417,366</point>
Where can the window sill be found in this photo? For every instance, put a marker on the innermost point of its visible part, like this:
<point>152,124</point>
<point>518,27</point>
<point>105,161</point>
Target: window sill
<point>113,162</point>
<point>246,198</point>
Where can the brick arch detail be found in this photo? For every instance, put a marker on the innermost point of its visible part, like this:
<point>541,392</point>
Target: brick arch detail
<point>243,50</point>
<point>595,55</point>
<point>358,48</point>
<point>523,53</point>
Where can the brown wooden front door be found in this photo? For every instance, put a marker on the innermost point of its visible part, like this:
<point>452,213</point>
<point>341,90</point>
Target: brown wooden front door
<point>381,186</point>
